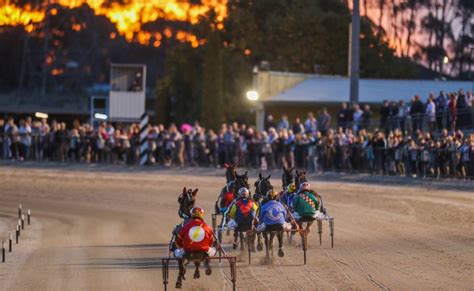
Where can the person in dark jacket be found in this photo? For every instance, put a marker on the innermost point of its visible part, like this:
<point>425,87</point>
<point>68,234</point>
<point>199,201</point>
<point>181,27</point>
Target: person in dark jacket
<point>417,111</point>
<point>343,116</point>
<point>384,114</point>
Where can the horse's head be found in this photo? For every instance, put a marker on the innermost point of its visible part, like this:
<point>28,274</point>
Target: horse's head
<point>286,177</point>
<point>262,185</point>
<point>186,201</point>
<point>241,180</point>
<point>230,172</point>
<point>300,177</point>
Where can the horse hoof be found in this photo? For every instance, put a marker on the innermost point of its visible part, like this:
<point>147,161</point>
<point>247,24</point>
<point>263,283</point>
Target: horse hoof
<point>208,271</point>
<point>281,253</point>
<point>178,285</point>
<point>235,245</point>
<point>197,275</point>
<point>259,247</point>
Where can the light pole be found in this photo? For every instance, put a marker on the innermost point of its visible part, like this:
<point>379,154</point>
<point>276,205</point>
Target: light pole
<point>355,53</point>
<point>254,97</point>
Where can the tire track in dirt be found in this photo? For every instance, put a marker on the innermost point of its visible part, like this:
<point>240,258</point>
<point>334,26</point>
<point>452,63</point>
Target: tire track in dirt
<point>368,276</point>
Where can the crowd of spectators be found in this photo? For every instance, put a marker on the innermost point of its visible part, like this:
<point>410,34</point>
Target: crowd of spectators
<point>410,139</point>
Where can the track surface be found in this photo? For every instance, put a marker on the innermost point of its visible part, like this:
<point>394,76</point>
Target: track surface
<point>104,230</point>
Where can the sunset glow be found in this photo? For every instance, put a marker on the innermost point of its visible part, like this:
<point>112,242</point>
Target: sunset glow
<point>128,18</point>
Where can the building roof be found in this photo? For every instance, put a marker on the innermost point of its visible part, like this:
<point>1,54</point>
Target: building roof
<point>333,89</point>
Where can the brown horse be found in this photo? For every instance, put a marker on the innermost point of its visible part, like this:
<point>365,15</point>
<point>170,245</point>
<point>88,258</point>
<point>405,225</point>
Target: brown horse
<point>186,201</point>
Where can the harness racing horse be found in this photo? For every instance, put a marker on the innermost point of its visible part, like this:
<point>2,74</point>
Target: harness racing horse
<point>300,177</point>
<point>286,177</point>
<point>186,201</point>
<point>228,195</point>
<point>262,186</point>
<point>228,192</point>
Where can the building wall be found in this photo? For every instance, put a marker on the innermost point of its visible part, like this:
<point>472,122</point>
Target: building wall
<point>271,83</point>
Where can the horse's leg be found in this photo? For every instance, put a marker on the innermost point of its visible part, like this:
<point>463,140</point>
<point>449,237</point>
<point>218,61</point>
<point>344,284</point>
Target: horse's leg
<point>236,239</point>
<point>196,271</point>
<point>280,244</point>
<point>208,267</point>
<point>308,226</point>
<point>180,274</point>
<point>242,245</point>
<point>259,242</point>
<point>272,236</point>
<point>265,236</point>
<point>253,235</point>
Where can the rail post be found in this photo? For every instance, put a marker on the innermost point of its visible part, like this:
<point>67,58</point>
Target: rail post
<point>10,242</point>
<point>248,246</point>
<point>233,273</point>
<point>331,231</point>
<point>320,231</point>
<point>164,265</point>
<point>305,244</point>
<point>3,251</point>
<point>17,235</point>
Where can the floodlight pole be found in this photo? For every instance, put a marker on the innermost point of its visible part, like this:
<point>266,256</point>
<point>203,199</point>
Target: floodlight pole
<point>260,109</point>
<point>355,53</point>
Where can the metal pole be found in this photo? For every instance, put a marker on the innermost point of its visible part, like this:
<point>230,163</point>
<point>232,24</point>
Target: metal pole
<point>331,231</point>
<point>320,231</point>
<point>355,53</point>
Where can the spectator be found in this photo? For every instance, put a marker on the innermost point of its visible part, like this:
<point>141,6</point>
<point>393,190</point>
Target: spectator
<point>431,113</point>
<point>366,117</point>
<point>298,126</point>
<point>311,124</point>
<point>343,116</point>
<point>417,111</point>
<point>284,124</point>
<point>384,115</point>
<point>403,111</point>
<point>441,109</point>
<point>269,123</point>
<point>393,116</point>
<point>357,118</point>
<point>453,111</point>
<point>469,118</point>
<point>324,121</point>
<point>461,107</point>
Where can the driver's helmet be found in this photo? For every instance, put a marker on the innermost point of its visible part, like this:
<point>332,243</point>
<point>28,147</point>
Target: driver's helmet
<point>244,192</point>
<point>304,186</point>
<point>292,188</point>
<point>197,212</point>
<point>272,194</point>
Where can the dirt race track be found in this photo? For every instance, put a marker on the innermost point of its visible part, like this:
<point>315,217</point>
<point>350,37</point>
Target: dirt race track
<point>106,230</point>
